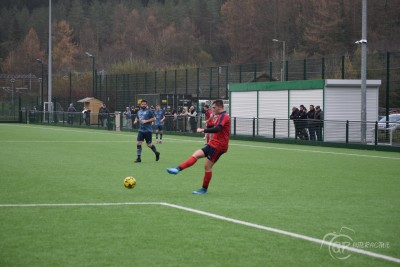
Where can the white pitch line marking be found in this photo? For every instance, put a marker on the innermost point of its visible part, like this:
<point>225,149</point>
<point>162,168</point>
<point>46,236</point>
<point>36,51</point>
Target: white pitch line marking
<point>317,151</point>
<point>223,218</point>
<point>79,204</point>
<point>286,233</point>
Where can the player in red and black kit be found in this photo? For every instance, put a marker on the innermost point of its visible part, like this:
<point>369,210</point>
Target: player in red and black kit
<point>217,146</point>
<point>209,121</point>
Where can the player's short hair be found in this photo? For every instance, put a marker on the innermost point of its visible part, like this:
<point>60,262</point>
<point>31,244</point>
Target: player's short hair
<point>218,103</point>
<point>143,100</point>
<point>206,106</point>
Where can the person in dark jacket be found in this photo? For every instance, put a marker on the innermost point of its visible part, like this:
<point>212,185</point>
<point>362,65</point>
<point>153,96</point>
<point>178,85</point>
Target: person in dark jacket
<point>103,113</point>
<point>295,116</point>
<point>319,122</point>
<point>311,122</point>
<point>303,123</point>
<point>71,111</point>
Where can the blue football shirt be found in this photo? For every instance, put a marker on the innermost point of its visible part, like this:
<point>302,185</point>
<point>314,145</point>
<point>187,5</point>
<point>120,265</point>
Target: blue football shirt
<point>145,115</point>
<point>159,114</point>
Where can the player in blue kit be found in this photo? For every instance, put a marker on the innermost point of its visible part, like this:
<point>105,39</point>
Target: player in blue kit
<point>145,117</point>
<point>159,123</point>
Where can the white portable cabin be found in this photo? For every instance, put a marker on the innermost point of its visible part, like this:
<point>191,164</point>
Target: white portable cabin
<point>340,100</point>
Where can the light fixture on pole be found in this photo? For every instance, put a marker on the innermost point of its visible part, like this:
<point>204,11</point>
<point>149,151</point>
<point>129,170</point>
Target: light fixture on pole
<point>90,55</point>
<point>283,58</point>
<point>41,82</point>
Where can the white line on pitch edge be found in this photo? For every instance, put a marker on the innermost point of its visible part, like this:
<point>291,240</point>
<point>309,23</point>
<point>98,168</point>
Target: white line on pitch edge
<point>223,218</point>
<point>79,204</point>
<point>282,232</point>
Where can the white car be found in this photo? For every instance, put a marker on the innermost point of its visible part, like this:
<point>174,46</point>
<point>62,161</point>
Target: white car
<point>392,125</point>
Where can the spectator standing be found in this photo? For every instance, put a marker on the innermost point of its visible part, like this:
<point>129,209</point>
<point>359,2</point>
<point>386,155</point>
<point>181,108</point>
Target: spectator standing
<point>303,122</point>
<point>185,117</point>
<point>86,116</point>
<point>311,122</point>
<point>71,115</point>
<point>295,116</point>
<point>128,118</point>
<point>133,113</point>
<point>319,122</point>
<point>103,113</point>
<point>193,119</point>
<point>159,123</point>
<point>175,120</point>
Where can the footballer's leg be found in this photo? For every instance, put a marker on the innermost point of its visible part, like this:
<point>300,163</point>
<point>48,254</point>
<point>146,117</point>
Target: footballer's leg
<point>161,134</point>
<point>208,164</point>
<point>187,163</point>
<point>151,146</point>
<point>157,135</point>
<point>138,151</point>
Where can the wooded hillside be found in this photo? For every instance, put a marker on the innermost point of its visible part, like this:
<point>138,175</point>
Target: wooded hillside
<point>154,34</point>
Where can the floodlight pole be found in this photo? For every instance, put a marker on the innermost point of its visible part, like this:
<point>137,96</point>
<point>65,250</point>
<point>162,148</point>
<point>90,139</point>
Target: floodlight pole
<point>50,73</point>
<point>93,59</point>
<point>364,73</point>
<point>41,82</point>
<point>283,57</point>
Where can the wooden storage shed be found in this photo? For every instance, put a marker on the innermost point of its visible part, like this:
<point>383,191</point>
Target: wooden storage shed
<point>93,104</point>
<point>340,101</point>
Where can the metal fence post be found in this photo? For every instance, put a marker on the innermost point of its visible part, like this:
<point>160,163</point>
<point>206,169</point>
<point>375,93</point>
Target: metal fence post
<point>227,82</point>
<point>210,83</point>
<point>254,127</point>
<point>234,126</point>
<point>347,132</point>
<point>273,128</point>
<point>155,82</point>
<point>342,67</point>
<point>186,78</point>
<point>175,86</point>
<point>286,71</point>
<point>270,71</point>
<point>240,73</point>
<point>376,133</point>
<point>165,82</point>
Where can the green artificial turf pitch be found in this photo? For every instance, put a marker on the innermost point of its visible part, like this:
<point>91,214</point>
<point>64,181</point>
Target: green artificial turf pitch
<point>324,193</point>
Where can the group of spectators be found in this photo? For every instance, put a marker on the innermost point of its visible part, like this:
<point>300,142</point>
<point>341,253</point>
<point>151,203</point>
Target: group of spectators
<point>191,116</point>
<point>103,115</point>
<point>308,124</point>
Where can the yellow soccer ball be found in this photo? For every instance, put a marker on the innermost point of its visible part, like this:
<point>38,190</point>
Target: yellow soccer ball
<point>129,182</point>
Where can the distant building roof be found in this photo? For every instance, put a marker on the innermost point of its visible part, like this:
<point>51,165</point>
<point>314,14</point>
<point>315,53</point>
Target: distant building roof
<point>88,99</point>
<point>263,77</point>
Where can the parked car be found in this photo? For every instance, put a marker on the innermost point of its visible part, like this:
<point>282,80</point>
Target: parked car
<point>393,123</point>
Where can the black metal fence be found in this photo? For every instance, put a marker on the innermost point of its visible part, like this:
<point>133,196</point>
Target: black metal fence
<point>179,87</point>
<point>347,132</point>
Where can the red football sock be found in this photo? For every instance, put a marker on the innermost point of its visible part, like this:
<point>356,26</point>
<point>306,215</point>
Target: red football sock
<point>207,179</point>
<point>189,162</point>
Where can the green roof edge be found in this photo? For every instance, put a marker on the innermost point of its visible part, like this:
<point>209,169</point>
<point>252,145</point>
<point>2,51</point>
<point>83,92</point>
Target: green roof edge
<point>274,86</point>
